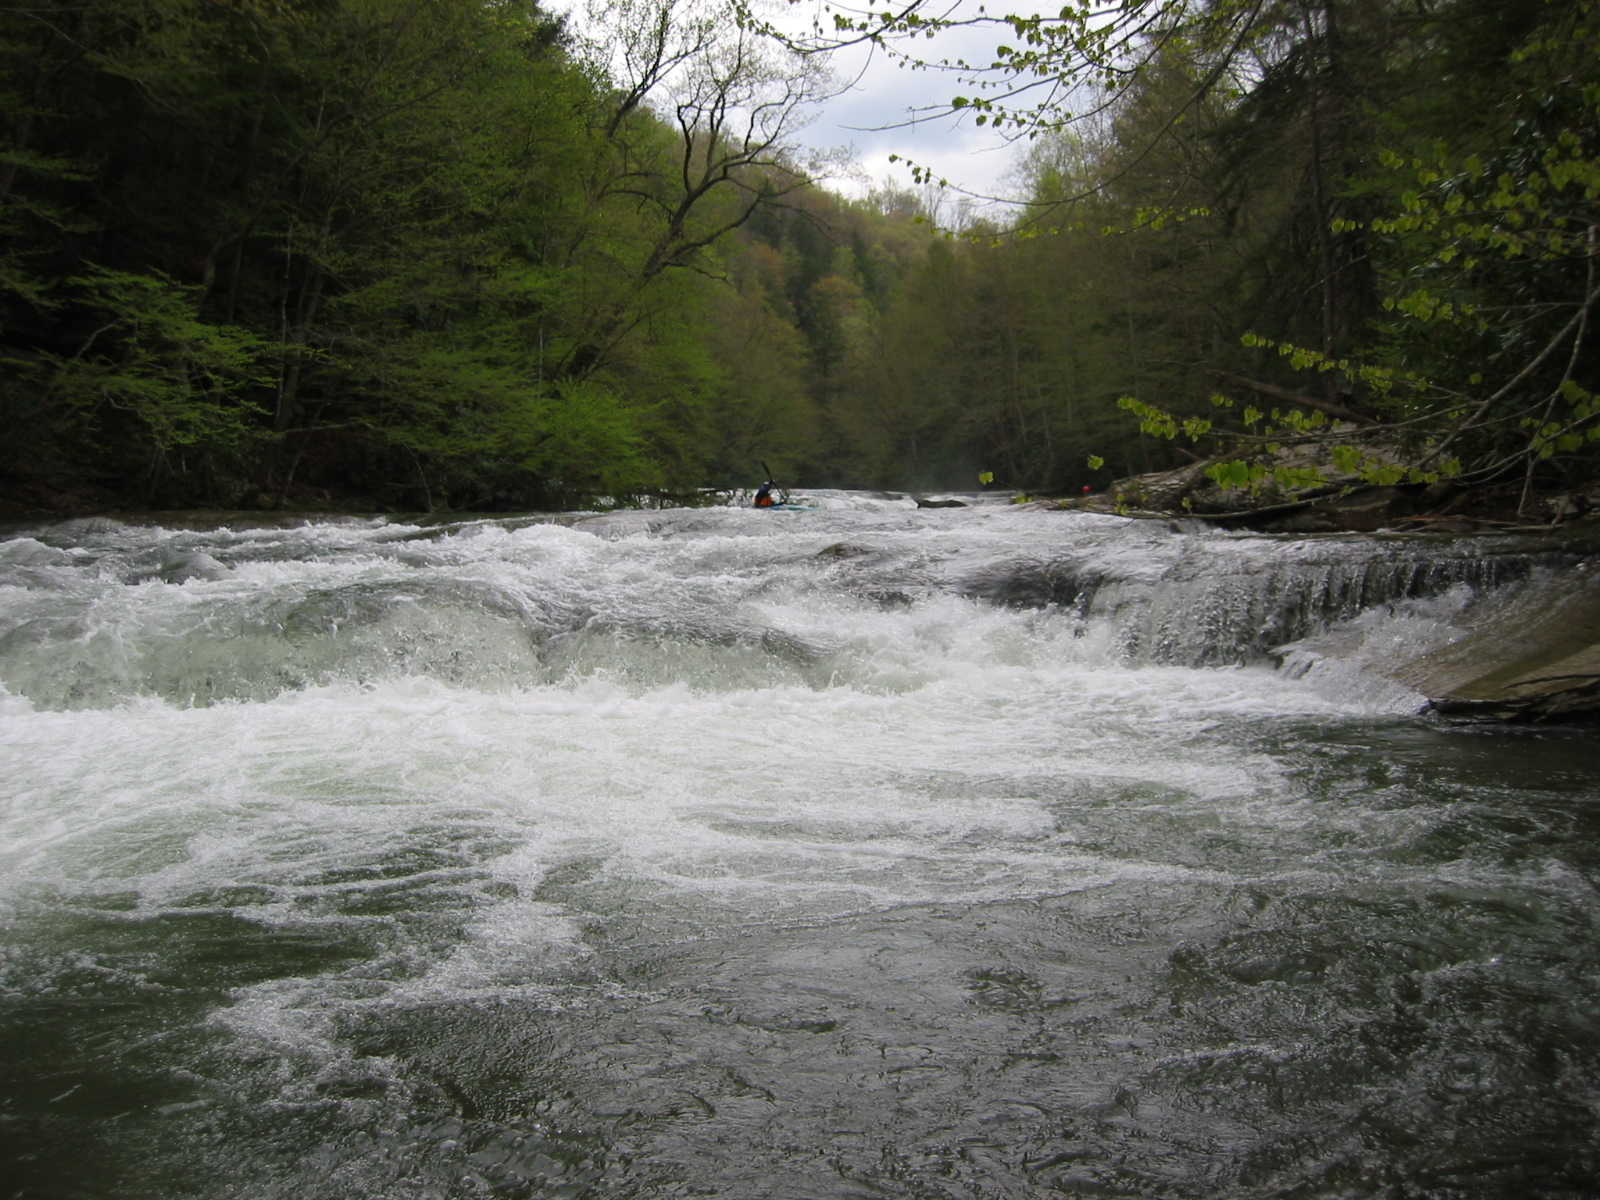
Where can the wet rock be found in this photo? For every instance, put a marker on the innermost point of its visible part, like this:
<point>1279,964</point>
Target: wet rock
<point>1537,661</point>
<point>199,565</point>
<point>1567,506</point>
<point>925,503</point>
<point>1030,584</point>
<point>844,550</point>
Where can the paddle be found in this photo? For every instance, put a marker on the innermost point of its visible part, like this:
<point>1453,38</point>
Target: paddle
<point>766,475</point>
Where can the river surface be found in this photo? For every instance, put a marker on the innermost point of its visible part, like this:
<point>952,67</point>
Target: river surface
<point>853,852</point>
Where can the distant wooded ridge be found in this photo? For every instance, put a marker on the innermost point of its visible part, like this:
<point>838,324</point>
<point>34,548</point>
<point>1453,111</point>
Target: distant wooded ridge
<point>423,254</point>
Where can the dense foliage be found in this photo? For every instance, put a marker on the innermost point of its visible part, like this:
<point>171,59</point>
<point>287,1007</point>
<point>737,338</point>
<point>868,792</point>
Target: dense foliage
<point>444,253</point>
<point>1367,227</point>
<point>411,253</point>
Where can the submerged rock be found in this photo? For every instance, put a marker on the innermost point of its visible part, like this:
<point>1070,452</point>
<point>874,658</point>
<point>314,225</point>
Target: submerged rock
<point>193,565</point>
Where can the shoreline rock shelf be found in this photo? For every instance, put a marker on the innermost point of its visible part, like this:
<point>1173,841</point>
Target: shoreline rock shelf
<point>1537,661</point>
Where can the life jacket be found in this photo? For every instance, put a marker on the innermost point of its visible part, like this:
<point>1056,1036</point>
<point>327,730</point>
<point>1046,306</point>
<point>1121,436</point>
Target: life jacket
<point>765,500</point>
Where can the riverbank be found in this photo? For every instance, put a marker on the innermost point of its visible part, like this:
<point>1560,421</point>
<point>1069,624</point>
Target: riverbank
<point>1342,506</point>
<point>1537,662</point>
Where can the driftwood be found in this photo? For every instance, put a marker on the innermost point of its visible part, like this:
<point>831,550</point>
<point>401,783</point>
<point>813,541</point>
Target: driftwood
<point>1261,387</point>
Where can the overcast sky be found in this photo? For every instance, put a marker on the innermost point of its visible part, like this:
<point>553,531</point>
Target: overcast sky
<point>887,94</point>
<point>883,93</point>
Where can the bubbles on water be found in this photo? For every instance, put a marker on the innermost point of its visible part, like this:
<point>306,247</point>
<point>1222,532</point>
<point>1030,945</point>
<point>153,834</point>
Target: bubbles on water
<point>654,852</point>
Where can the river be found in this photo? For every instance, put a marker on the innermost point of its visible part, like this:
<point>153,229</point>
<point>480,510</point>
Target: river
<point>861,851</point>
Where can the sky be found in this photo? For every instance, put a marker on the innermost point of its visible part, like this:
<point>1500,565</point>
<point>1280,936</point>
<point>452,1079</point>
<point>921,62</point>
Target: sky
<point>876,115</point>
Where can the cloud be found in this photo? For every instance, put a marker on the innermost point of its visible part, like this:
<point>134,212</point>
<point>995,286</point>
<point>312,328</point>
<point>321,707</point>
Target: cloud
<point>890,105</point>
<point>893,108</point>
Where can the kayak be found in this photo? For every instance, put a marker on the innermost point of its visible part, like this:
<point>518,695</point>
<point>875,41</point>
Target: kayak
<point>787,508</point>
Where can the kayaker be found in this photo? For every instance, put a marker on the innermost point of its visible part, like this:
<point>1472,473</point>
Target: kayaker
<point>764,495</point>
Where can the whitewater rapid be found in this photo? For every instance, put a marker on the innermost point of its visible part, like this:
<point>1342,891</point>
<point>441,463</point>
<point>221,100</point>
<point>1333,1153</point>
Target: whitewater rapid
<point>290,806</point>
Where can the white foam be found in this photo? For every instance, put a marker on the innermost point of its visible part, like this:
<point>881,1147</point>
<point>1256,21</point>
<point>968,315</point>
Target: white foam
<point>661,722</point>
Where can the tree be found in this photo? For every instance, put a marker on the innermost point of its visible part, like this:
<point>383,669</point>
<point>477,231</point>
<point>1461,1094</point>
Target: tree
<point>1478,363</point>
<point>762,410</point>
<point>1296,177</point>
<point>406,247</point>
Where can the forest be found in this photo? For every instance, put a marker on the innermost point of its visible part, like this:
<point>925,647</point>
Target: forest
<point>470,255</point>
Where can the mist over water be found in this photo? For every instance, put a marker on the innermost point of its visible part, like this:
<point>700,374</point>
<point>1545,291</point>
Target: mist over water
<point>859,851</point>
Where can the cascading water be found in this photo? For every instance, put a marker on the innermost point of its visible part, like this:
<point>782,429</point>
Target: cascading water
<point>862,851</point>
